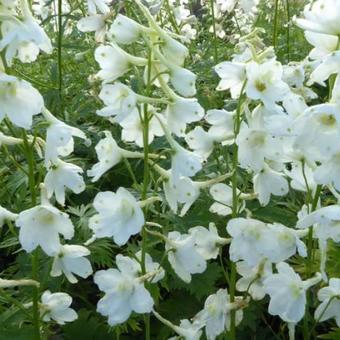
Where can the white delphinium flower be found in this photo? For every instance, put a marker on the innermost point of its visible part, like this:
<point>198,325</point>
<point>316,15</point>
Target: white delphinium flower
<point>24,38</point>
<point>318,131</point>
<point>216,313</point>
<point>328,172</point>
<point>288,293</point>
<point>181,191</point>
<point>59,138</point>
<point>233,76</point>
<point>253,277</point>
<point>94,23</point>
<point>174,51</point>
<point>71,261</point>
<point>119,216</point>
<point>125,31</point>
<point>184,256</point>
<point>326,221</point>
<point>269,182</point>
<point>132,128</point>
<point>222,125</point>
<point>62,175</point>
<point>41,226</point>
<point>249,237</point>
<point>264,82</point>
<point>189,32</point>
<point>124,291</point>
<point>207,241</point>
<point>6,215</point>
<point>321,16</point>
<point>255,146</point>
<point>120,101</point>
<point>324,44</point>
<point>20,101</point>
<point>200,141</point>
<point>329,65</point>
<point>330,302</point>
<point>300,174</point>
<point>223,195</point>
<point>115,62</point>
<point>101,5</point>
<point>109,154</point>
<point>181,112</point>
<point>186,329</point>
<point>56,306</point>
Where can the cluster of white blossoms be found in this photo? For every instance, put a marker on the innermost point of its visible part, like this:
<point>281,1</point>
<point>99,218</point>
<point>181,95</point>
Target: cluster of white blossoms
<point>278,141</point>
<point>43,224</point>
<point>244,13</point>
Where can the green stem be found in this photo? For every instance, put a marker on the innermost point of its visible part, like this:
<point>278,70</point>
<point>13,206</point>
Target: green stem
<point>288,30</point>
<point>35,256</point>
<point>214,31</point>
<point>146,179</point>
<point>60,66</point>
<point>276,19</point>
<point>235,205</point>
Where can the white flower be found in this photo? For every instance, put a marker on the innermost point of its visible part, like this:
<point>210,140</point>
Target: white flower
<point>94,23</point>
<point>133,128</point>
<point>321,16</point>
<point>24,39</point>
<point>216,314</point>
<point>317,131</point>
<point>120,101</point>
<point>20,101</point>
<point>223,195</point>
<point>183,255</point>
<point>71,260</point>
<point>183,80</point>
<point>114,62</point>
<point>119,216</point>
<point>328,172</point>
<point>298,173</point>
<point>207,241</point>
<point>62,175</point>
<point>265,82</point>
<point>256,145</point>
<point>326,220</point>
<point>56,306</point>
<point>288,293</point>
<point>330,302</point>
<point>59,138</point>
<point>41,225</point>
<point>186,329</point>
<point>101,5</point>
<point>329,65</point>
<point>109,154</point>
<point>249,237</point>
<point>222,124</point>
<point>253,277</point>
<point>200,141</point>
<point>324,44</point>
<point>268,182</point>
<point>174,51</point>
<point>233,77</point>
<point>124,291</point>
<point>181,112</point>
<point>125,30</point>
<point>182,190</point>
<point>183,162</point>
<point>6,215</point>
